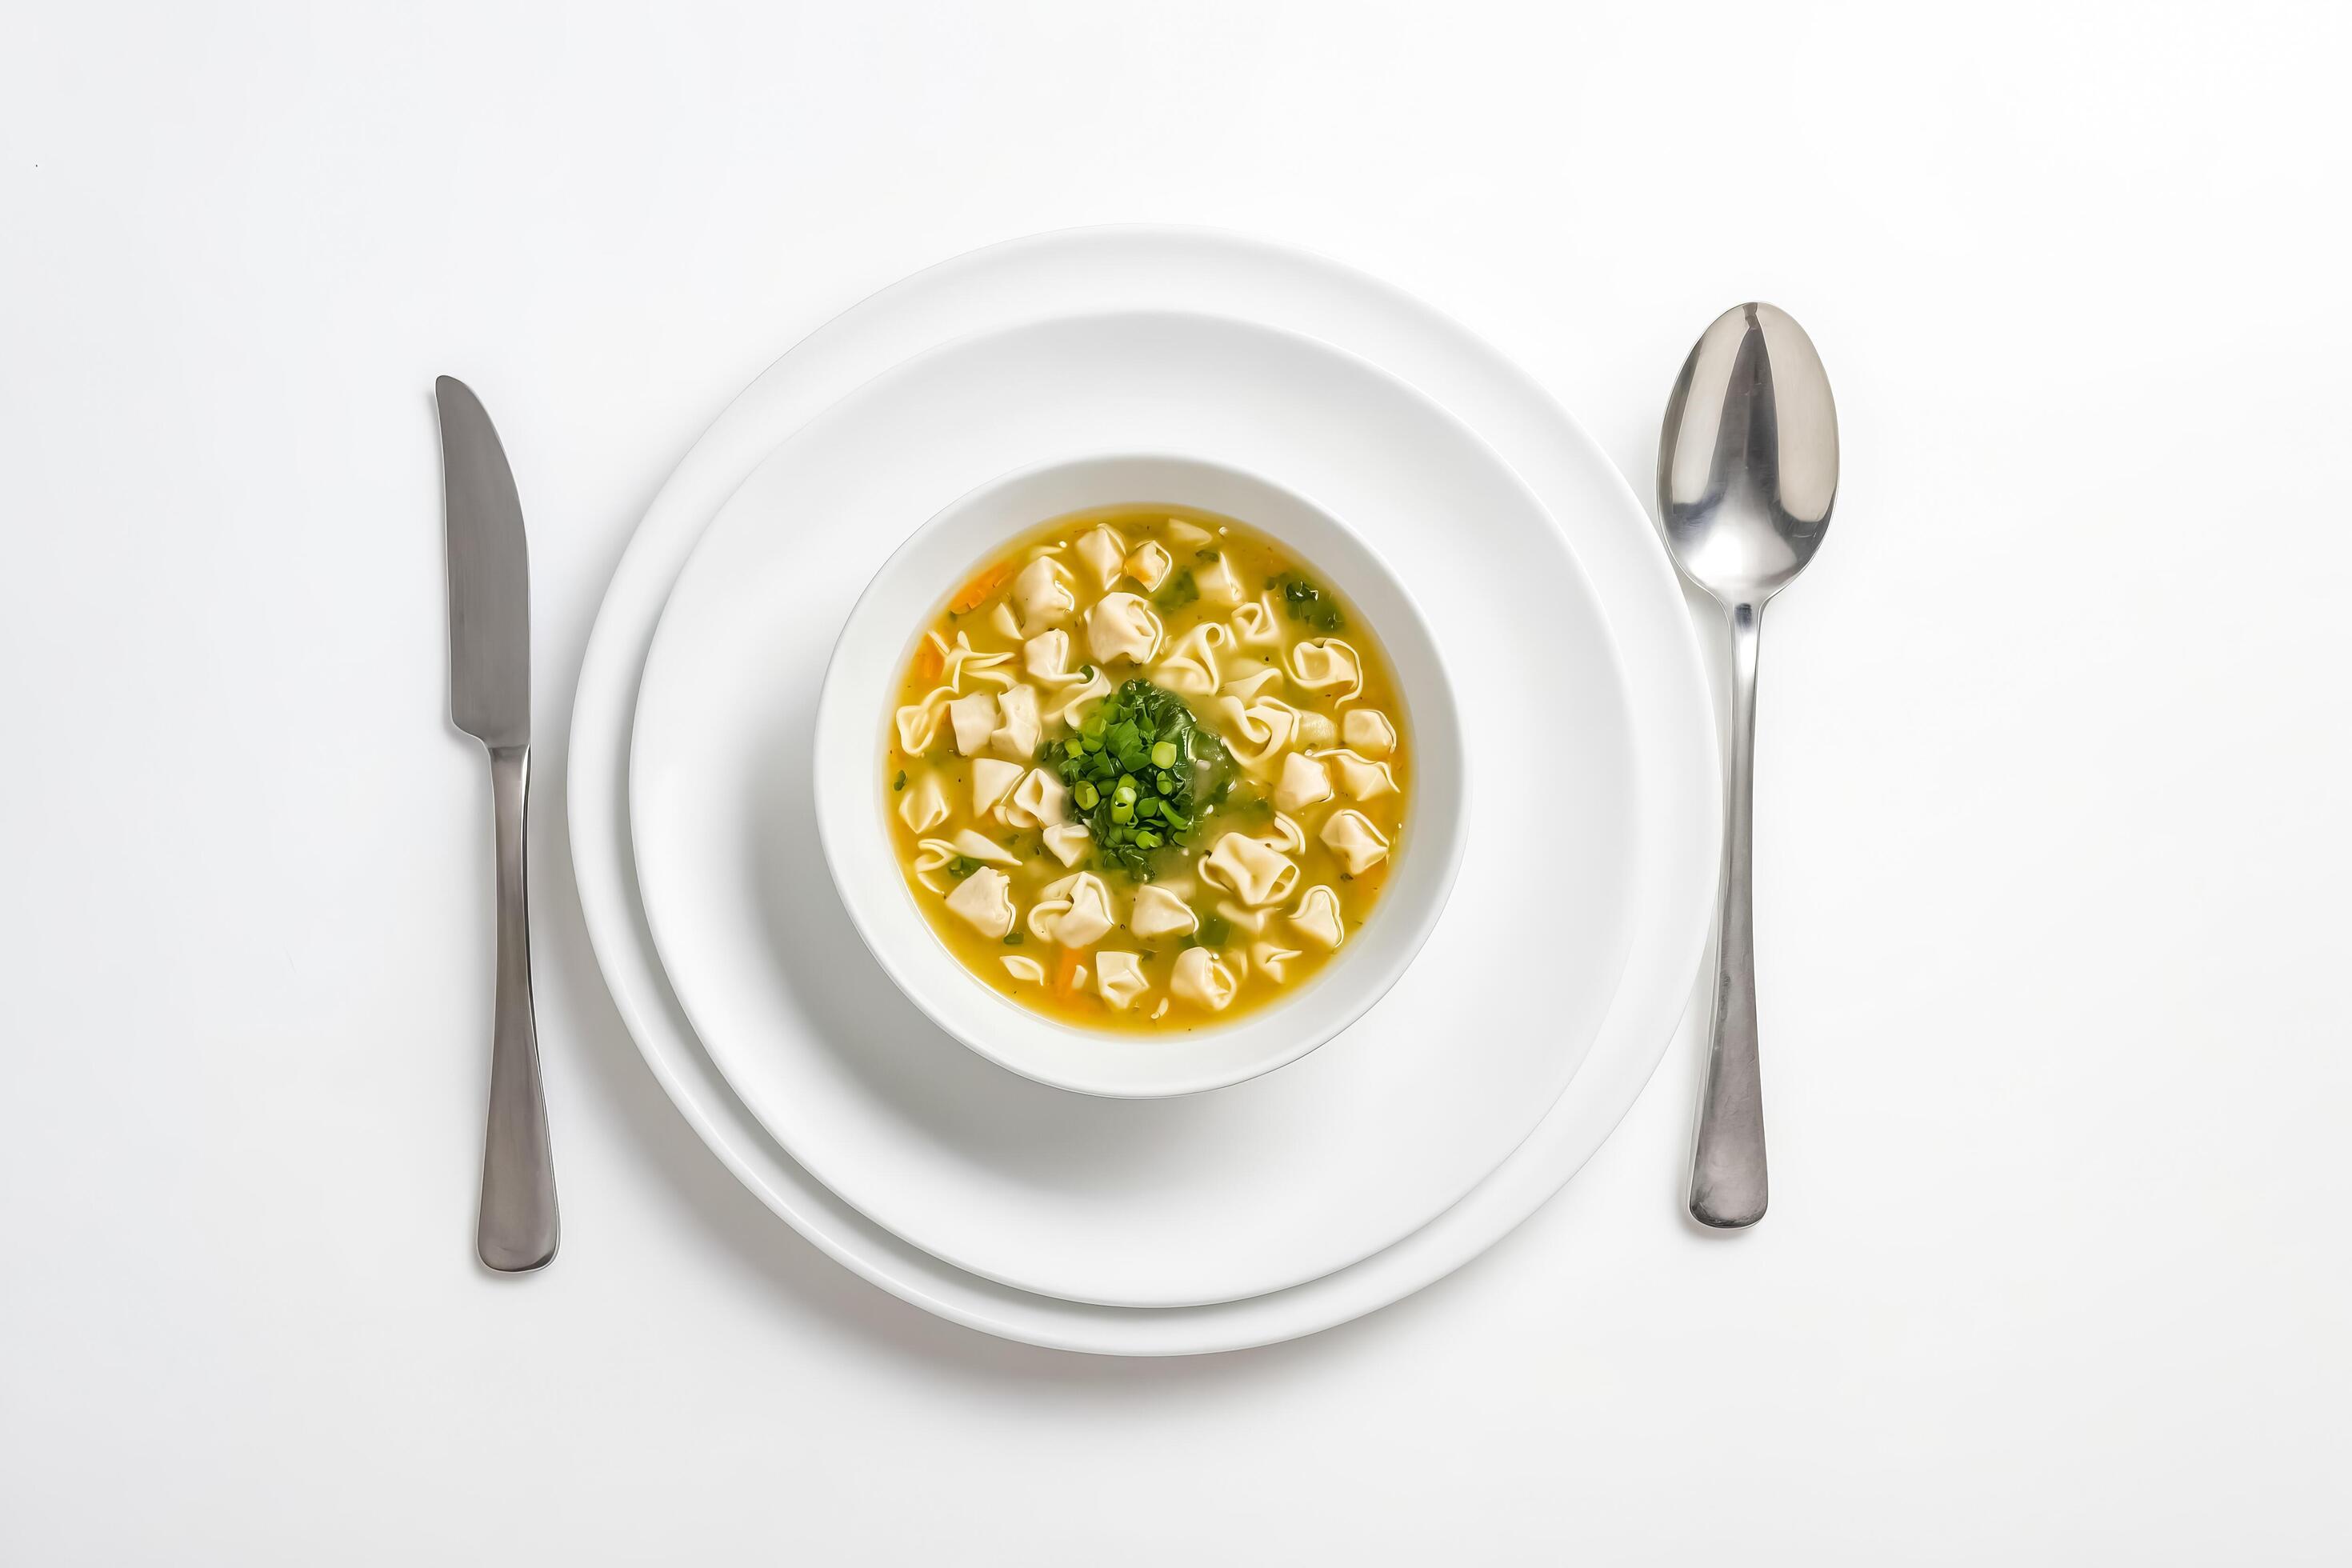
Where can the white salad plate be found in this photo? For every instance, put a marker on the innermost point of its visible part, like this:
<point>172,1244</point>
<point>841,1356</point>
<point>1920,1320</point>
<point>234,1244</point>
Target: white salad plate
<point>1155,1203</point>
<point>1116,268</point>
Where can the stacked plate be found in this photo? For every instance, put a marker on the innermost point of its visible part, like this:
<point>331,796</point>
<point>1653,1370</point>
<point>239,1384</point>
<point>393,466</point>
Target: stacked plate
<point>1445,1114</point>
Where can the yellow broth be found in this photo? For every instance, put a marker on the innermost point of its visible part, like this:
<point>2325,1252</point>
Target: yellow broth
<point>1269,647</point>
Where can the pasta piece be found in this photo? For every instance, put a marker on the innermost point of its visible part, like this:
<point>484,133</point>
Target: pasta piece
<point>975,719</point>
<point>1043,593</point>
<point>1202,978</point>
<point>1185,535</point>
<point>1368,730</point>
<point>1252,871</point>
<point>919,723</point>
<point>1039,800</point>
<point>925,804</point>
<point>1217,583</point>
<point>1149,564</point>
<point>1159,913</point>
<point>1068,841</point>
<point>1256,624</point>
<point>1287,836</point>
<point>991,781</point>
<point>985,902</point>
<point>1324,664</point>
<point>1075,912</point>
<point>933,854</point>
<point>1317,918</point>
<point>1305,783</point>
<point>1314,730</point>
<point>1105,553</point>
<point>1191,667</point>
<point>1047,658</point>
<point>1272,959</point>
<point>963,659</point>
<point>1073,710</point>
<point>1004,621</point>
<point>1121,626</point>
<point>1028,971</point>
<point>1118,978</point>
<point>1159,1011</point>
<point>1251,687</point>
<point>1362,778</point>
<point>1021,727</point>
<point>1248,920</point>
<point>1354,839</point>
<point>1257,734</point>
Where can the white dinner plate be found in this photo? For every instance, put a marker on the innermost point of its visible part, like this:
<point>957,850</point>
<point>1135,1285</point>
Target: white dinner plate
<point>1138,1202</point>
<point>1156,268</point>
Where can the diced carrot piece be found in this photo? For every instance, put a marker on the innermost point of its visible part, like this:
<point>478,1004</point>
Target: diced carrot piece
<point>976,591</point>
<point>1066,977</point>
<point>928,663</point>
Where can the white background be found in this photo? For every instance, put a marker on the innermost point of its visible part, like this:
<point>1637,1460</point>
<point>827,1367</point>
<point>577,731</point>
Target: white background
<point>2051,858</point>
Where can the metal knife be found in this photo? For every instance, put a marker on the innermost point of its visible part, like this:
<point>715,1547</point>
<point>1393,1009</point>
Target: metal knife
<point>490,698</point>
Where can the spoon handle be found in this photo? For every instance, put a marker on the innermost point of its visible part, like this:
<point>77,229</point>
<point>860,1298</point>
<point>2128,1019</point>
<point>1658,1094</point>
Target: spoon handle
<point>1727,1185</point>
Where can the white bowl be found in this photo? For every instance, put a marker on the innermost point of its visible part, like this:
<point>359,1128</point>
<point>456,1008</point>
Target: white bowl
<point>852,723</point>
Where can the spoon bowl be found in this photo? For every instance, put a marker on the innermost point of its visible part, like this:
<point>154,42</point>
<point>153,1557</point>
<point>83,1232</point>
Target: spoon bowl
<point>1747,466</point>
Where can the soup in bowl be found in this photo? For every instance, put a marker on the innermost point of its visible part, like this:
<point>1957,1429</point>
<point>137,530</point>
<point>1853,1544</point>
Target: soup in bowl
<point>1140,775</point>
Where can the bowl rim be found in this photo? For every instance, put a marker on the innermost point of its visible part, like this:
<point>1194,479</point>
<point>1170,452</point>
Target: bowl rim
<point>1443,836</point>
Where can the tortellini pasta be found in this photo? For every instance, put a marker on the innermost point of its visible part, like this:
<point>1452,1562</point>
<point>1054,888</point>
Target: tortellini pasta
<point>1305,783</point>
<point>1354,839</point>
<point>1159,913</point>
<point>1218,586</point>
<point>1040,800</point>
<point>1368,730</point>
<point>1257,625</point>
<point>1272,959</point>
<point>1359,776</point>
<point>1046,658</point>
<point>1122,627</point>
<point>1202,978</point>
<point>1105,553</point>
<point>1327,664</point>
<point>1019,725</point>
<point>1068,841</point>
<point>983,900</point>
<point>1256,734</point>
<point>975,719</point>
<point>924,804</point>
<point>1120,978</point>
<point>919,723</point>
<point>1150,564</point>
<point>1075,912</point>
<point>1190,667</point>
<point>1043,592</point>
<point>1318,918</point>
<point>1252,871</point>
<point>991,781</point>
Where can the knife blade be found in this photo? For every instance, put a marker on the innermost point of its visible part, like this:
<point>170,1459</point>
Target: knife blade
<point>490,698</point>
<point>489,575</point>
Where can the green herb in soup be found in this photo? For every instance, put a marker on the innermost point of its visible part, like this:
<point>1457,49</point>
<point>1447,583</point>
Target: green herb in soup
<point>1139,769</point>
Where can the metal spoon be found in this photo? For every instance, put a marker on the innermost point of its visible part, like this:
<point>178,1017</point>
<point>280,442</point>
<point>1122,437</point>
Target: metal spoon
<point>1747,466</point>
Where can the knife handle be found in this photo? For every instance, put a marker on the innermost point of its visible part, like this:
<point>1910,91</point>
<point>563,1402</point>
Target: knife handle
<point>517,1228</point>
